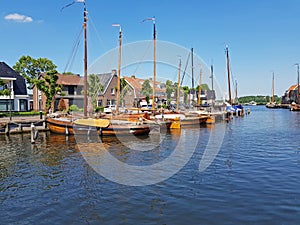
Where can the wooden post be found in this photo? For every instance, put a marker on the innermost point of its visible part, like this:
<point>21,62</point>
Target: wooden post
<point>32,134</point>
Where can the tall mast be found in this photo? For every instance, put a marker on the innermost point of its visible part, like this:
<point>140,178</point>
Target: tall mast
<point>119,68</point>
<point>178,87</point>
<point>154,64</point>
<point>228,74</point>
<point>298,88</point>
<point>192,53</point>
<point>200,83</point>
<point>212,76</point>
<point>85,100</point>
<point>272,100</point>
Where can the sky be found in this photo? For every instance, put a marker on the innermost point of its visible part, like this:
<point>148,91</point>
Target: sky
<point>263,37</point>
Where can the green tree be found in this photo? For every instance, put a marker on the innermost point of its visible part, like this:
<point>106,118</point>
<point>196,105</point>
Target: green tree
<point>170,89</point>
<point>124,89</point>
<point>31,68</point>
<point>185,93</point>
<point>146,88</point>
<point>95,87</point>
<point>49,87</point>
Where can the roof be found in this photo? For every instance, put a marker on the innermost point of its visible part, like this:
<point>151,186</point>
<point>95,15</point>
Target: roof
<point>137,83</point>
<point>69,79</point>
<point>105,80</point>
<point>19,84</point>
<point>293,87</point>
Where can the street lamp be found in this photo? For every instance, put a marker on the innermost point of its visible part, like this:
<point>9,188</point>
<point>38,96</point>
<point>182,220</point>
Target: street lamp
<point>10,105</point>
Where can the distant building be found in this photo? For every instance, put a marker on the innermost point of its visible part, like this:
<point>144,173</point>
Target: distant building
<point>290,95</point>
<point>18,100</point>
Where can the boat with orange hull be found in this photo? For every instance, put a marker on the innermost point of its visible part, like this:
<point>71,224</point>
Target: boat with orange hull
<point>68,126</point>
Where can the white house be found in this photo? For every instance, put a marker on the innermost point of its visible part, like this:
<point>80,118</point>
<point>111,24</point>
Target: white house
<point>18,100</point>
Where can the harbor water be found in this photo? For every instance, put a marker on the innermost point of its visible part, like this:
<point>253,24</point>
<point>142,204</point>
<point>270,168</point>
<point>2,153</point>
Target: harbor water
<point>251,176</point>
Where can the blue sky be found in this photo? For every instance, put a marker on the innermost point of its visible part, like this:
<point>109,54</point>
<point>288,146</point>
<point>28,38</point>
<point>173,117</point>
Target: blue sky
<point>263,35</point>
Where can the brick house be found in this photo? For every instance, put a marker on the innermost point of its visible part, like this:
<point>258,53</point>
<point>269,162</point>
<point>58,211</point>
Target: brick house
<point>18,99</point>
<point>290,95</point>
<point>72,93</point>
<point>108,96</point>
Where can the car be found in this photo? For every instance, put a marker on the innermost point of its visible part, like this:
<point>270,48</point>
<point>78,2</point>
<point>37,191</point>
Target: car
<point>109,108</point>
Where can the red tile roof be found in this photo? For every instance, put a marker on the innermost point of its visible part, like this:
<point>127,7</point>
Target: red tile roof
<point>293,87</point>
<point>68,79</point>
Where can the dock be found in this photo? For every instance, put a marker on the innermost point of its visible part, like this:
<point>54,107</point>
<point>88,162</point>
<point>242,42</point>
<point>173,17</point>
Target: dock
<point>21,124</point>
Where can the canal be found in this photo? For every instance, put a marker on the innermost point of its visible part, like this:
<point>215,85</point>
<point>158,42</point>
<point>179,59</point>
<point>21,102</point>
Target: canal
<point>243,172</point>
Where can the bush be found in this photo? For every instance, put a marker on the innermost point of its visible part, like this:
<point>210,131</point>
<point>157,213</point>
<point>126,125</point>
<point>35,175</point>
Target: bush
<point>74,108</point>
<point>99,109</point>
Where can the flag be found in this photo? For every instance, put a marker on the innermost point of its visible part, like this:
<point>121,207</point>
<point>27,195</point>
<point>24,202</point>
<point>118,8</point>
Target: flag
<point>152,19</point>
<point>83,1</point>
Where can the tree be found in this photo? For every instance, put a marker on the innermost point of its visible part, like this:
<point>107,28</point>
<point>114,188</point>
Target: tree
<point>124,89</point>
<point>47,84</point>
<point>146,88</point>
<point>95,87</point>
<point>185,93</point>
<point>170,88</point>
<point>31,68</point>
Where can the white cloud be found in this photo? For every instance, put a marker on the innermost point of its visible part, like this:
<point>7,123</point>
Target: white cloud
<point>18,18</point>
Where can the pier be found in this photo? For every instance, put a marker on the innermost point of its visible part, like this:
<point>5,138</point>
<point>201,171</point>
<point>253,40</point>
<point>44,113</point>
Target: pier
<point>21,124</point>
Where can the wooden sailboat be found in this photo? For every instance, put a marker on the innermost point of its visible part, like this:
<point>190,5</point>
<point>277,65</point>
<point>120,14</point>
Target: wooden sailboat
<point>178,119</point>
<point>231,107</point>
<point>272,104</point>
<point>72,125</point>
<point>296,106</point>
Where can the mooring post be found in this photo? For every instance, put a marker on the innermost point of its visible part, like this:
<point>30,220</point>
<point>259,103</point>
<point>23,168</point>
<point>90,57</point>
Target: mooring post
<point>7,129</point>
<point>32,134</point>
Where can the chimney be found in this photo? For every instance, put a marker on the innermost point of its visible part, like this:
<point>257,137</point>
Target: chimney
<point>114,72</point>
<point>133,76</point>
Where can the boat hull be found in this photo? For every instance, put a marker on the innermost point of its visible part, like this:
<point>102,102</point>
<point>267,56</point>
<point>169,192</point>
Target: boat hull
<point>67,127</point>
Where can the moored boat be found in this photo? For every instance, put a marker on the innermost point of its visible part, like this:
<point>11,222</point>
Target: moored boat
<point>69,126</point>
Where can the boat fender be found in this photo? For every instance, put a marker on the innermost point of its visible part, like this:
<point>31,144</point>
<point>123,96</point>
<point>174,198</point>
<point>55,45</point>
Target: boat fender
<point>36,134</point>
<point>67,131</point>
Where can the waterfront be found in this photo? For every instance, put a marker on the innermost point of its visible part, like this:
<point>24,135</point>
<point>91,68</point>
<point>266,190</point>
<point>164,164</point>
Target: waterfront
<point>254,178</point>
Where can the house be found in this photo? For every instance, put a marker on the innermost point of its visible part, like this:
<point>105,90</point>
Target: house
<point>72,93</point>
<point>18,100</point>
<point>133,93</point>
<point>290,95</point>
<point>108,96</point>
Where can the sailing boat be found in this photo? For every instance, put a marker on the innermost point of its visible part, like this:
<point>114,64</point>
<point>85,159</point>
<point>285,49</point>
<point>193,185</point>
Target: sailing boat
<point>230,107</point>
<point>180,119</point>
<point>296,106</point>
<point>72,125</point>
<point>272,104</point>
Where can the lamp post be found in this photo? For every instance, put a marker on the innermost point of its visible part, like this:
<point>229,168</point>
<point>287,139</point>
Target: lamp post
<point>10,105</point>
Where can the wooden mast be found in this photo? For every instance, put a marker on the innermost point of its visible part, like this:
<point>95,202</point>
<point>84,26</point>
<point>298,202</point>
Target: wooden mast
<point>228,74</point>
<point>193,84</point>
<point>178,87</point>
<point>199,92</point>
<point>85,100</point>
<point>272,100</point>
<point>298,88</point>
<point>154,64</point>
<point>119,68</point>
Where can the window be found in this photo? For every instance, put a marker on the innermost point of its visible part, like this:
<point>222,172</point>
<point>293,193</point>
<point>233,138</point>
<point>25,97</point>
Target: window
<point>112,91</point>
<point>100,102</point>
<point>23,104</point>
